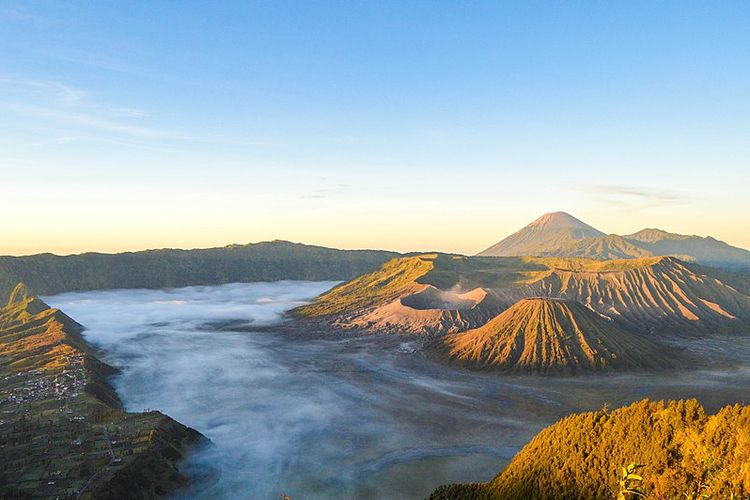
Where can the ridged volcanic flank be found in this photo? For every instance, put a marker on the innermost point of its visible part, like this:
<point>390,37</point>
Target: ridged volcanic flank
<point>542,335</point>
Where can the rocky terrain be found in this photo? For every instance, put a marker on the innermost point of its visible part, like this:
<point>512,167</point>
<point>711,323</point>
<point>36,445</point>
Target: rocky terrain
<point>539,314</point>
<point>550,336</point>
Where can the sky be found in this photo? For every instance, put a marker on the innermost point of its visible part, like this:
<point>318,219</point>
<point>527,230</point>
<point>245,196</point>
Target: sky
<point>418,125</point>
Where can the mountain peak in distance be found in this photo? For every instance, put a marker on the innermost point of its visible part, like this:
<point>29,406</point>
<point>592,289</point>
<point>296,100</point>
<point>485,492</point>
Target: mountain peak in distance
<point>551,230</point>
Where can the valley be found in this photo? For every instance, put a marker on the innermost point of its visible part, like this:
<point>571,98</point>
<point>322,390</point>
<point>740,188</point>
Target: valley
<point>353,416</point>
<point>420,370</point>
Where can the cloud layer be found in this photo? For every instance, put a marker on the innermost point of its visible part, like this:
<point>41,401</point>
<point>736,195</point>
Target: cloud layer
<point>341,418</point>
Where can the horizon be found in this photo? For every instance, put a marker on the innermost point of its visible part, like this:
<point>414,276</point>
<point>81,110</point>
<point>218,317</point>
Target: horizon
<point>418,251</point>
<point>404,127</point>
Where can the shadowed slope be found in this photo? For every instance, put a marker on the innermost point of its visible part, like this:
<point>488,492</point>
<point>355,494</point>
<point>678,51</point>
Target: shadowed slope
<point>686,454</point>
<point>550,336</point>
<point>611,246</point>
<point>49,274</point>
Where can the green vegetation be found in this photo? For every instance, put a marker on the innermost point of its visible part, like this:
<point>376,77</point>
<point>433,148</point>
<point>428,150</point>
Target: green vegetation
<point>629,482</point>
<point>49,274</point>
<point>685,452</point>
<point>62,430</point>
<point>581,264</point>
<point>394,279</point>
<point>467,273</point>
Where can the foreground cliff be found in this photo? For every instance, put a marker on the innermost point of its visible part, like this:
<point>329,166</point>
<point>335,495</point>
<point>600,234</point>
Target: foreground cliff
<point>63,432</point>
<point>685,453</point>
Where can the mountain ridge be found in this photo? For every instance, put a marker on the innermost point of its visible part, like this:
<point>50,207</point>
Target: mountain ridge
<point>685,453</point>
<point>49,274</point>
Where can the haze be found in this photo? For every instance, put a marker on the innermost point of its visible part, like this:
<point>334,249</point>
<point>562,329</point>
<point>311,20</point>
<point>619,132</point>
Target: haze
<point>420,126</point>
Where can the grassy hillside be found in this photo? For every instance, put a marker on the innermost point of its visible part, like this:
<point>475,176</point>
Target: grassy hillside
<point>685,454</point>
<point>394,279</point>
<point>48,274</point>
<point>63,433</point>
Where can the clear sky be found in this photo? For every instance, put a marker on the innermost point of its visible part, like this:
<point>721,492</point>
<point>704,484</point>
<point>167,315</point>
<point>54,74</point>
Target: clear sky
<point>407,125</point>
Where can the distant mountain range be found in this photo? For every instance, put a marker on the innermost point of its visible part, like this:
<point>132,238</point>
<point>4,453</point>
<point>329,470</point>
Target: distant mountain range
<point>48,274</point>
<point>559,234</point>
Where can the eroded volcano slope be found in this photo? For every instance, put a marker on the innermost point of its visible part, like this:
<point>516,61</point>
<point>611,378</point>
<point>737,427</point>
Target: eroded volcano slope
<point>439,294</point>
<point>542,335</point>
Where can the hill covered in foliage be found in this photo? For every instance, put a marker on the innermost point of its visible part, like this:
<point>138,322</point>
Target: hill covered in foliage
<point>49,274</point>
<point>685,453</point>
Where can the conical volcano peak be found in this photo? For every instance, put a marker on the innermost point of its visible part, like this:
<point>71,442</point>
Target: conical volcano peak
<point>560,220</point>
<point>546,235</point>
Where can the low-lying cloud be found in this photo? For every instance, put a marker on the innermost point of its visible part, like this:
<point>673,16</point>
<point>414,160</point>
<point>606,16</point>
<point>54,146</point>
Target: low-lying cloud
<point>341,418</point>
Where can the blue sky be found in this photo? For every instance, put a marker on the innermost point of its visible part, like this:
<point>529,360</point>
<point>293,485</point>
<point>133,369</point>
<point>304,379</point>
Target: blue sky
<point>403,125</point>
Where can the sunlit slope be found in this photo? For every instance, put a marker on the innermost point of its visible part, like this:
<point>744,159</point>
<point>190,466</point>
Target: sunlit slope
<point>540,335</point>
<point>431,293</point>
<point>660,294</point>
<point>685,453</point>
<point>394,279</point>
<point>61,418</point>
<point>442,293</point>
